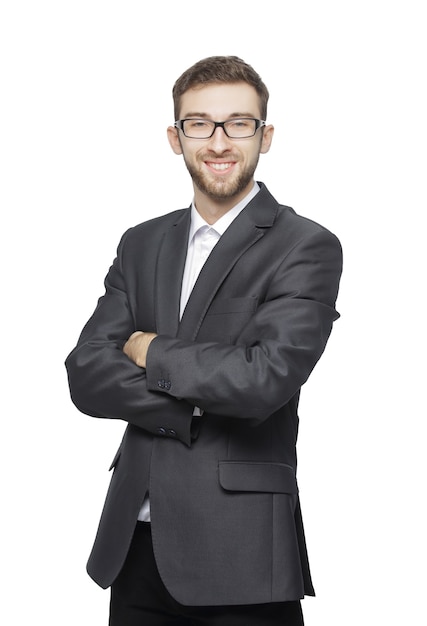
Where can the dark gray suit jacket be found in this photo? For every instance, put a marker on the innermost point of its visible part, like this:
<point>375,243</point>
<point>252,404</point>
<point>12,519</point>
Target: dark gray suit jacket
<point>226,521</point>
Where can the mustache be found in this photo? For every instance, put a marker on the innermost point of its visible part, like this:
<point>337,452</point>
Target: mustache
<point>223,155</point>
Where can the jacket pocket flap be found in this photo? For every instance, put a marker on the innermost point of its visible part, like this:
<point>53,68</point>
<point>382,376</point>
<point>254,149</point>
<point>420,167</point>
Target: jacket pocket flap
<point>257,476</point>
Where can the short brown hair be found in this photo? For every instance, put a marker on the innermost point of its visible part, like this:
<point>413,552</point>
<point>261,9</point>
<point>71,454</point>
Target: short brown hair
<point>219,69</point>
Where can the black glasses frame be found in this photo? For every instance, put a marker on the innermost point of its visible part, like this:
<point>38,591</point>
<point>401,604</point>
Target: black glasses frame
<point>258,124</point>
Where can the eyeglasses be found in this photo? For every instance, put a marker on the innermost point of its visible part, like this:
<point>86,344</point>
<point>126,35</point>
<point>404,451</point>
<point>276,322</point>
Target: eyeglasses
<point>240,128</point>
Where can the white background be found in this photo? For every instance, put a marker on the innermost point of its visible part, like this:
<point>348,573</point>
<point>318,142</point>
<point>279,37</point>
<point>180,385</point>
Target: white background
<point>85,102</point>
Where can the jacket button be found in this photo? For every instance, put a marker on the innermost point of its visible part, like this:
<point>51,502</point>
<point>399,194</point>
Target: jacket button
<point>161,431</point>
<point>171,432</point>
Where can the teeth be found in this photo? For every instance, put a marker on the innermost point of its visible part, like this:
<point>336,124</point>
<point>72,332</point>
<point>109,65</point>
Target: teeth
<point>220,166</point>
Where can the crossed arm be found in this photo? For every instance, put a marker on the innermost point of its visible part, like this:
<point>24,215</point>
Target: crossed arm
<point>252,378</point>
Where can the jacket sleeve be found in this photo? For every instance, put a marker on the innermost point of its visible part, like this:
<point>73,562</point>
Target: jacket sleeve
<point>104,382</point>
<point>275,352</point>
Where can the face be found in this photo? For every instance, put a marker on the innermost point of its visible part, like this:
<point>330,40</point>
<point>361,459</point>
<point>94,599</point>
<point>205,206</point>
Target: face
<point>222,169</point>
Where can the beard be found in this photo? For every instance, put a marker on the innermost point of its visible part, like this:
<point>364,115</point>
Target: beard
<point>221,189</point>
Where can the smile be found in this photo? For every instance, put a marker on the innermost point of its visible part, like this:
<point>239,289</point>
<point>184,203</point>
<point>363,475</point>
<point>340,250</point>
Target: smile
<point>219,167</point>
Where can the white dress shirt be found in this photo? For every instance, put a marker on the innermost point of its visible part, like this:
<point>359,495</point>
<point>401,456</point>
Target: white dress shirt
<point>202,239</point>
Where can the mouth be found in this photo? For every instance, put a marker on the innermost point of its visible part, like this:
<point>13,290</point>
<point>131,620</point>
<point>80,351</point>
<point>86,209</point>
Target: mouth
<point>220,168</point>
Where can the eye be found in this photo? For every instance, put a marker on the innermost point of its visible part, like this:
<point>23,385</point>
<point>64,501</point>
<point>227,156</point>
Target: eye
<point>196,124</point>
<point>240,124</point>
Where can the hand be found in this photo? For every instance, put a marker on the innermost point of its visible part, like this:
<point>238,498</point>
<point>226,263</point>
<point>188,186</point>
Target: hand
<point>136,347</point>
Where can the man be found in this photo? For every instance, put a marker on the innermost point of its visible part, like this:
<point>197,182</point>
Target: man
<point>213,318</point>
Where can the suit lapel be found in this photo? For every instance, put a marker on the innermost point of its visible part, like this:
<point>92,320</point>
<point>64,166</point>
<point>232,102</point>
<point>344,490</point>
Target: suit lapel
<point>249,226</point>
<point>169,271</point>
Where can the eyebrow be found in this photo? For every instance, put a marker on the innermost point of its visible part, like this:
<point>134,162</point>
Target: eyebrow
<point>197,115</point>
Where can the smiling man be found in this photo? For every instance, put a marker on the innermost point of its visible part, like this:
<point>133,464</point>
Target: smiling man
<point>222,168</point>
<point>212,319</point>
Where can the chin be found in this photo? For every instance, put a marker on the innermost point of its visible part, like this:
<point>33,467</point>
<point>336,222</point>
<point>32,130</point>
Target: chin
<point>223,190</point>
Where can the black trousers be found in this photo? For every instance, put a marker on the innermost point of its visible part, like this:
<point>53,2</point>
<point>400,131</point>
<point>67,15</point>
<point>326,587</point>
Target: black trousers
<point>139,598</point>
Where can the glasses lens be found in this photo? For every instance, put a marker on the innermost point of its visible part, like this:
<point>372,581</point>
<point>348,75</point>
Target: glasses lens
<point>240,128</point>
<point>198,129</point>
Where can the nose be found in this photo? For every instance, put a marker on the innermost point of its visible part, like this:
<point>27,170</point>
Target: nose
<point>219,140</point>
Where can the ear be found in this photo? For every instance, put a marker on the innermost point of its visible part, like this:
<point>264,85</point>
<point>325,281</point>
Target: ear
<point>267,138</point>
<point>173,137</point>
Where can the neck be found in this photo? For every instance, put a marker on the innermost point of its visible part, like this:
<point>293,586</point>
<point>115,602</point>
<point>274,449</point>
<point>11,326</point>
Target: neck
<point>212,209</point>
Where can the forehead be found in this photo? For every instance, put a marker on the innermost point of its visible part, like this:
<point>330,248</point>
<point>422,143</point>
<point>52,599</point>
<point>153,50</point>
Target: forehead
<point>220,101</point>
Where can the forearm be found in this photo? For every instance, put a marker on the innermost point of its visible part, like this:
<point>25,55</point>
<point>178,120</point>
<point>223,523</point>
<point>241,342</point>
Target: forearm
<point>104,382</point>
<point>252,379</point>
<point>276,350</point>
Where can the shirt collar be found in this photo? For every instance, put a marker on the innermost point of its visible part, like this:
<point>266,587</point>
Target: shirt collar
<point>224,222</point>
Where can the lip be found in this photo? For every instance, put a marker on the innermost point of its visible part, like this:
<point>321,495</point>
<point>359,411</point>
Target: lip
<point>220,167</point>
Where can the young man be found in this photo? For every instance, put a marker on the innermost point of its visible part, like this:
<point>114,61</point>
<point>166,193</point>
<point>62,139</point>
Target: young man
<point>212,319</point>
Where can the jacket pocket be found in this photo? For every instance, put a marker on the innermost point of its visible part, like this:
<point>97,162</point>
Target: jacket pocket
<point>226,318</point>
<point>257,476</point>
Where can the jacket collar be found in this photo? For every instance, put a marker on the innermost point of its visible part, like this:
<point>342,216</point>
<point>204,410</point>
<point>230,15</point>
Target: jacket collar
<point>248,227</point>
